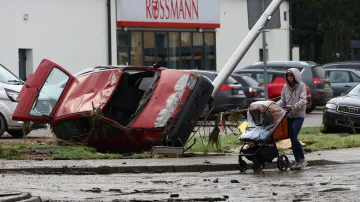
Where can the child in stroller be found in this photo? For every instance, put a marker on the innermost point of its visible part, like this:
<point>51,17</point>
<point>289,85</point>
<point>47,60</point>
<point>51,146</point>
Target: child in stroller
<point>267,123</point>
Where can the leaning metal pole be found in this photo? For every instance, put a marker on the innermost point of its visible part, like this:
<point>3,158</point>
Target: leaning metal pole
<point>265,54</point>
<point>244,46</point>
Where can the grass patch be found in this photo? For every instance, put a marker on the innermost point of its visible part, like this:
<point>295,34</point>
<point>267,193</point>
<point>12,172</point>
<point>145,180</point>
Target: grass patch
<point>52,150</point>
<point>314,141</point>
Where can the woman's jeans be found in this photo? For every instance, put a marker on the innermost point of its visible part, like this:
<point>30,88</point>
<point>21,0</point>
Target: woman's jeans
<point>295,125</point>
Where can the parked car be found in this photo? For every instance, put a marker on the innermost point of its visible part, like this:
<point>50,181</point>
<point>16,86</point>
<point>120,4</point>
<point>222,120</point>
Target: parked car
<point>343,65</point>
<point>116,109</point>
<point>230,96</point>
<point>10,86</point>
<point>341,79</point>
<point>341,111</point>
<point>276,81</point>
<point>311,73</point>
<point>253,90</point>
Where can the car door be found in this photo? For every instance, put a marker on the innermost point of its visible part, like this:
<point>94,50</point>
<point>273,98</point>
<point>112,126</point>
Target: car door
<point>340,81</point>
<point>40,95</point>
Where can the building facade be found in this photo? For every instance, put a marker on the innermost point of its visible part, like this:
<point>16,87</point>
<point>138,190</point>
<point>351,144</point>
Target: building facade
<point>179,34</point>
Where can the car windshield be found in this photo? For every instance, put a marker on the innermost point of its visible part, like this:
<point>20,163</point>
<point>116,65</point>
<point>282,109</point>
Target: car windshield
<point>318,72</point>
<point>9,78</point>
<point>49,93</point>
<point>355,90</point>
<point>231,80</point>
<point>250,80</point>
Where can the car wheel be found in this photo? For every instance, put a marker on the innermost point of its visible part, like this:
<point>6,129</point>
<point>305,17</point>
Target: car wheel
<point>2,125</point>
<point>326,128</point>
<point>16,133</point>
<point>309,110</point>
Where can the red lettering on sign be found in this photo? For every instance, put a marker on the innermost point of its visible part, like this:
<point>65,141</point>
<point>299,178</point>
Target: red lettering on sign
<point>162,9</point>
<point>182,9</point>
<point>155,8</point>
<point>167,9</point>
<point>148,12</point>
<point>188,9</point>
<point>172,9</point>
<point>195,8</point>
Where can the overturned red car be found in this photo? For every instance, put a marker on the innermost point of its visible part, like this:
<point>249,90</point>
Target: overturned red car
<point>115,109</point>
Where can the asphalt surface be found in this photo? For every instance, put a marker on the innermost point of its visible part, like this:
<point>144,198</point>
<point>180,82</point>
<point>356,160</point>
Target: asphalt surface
<point>324,183</point>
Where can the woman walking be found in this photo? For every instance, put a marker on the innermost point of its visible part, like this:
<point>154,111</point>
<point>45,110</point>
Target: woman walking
<point>293,98</point>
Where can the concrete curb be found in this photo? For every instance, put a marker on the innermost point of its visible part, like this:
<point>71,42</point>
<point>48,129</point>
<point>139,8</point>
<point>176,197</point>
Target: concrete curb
<point>150,169</point>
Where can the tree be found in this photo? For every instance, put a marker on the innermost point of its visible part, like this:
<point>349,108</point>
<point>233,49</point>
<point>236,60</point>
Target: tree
<point>323,29</point>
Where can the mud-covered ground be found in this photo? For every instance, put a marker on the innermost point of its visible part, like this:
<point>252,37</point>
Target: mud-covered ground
<point>329,183</point>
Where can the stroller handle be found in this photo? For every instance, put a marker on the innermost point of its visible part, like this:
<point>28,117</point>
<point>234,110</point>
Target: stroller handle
<point>287,110</point>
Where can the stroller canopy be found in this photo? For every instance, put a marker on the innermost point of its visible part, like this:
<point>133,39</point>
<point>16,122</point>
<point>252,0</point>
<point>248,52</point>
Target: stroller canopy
<point>263,118</point>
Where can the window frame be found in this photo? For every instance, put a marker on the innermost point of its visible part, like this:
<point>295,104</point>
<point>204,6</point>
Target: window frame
<point>203,48</point>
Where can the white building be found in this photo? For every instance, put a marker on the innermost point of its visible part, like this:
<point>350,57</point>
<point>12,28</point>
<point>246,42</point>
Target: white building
<point>78,34</point>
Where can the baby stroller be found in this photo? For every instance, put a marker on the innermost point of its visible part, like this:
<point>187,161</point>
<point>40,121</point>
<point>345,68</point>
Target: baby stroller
<point>267,123</point>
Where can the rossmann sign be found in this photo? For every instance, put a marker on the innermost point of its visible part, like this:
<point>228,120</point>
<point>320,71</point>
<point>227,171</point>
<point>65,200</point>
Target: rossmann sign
<point>169,13</point>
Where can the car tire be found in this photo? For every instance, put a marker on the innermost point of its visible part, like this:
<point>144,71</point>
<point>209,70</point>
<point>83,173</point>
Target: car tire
<point>309,110</point>
<point>16,133</point>
<point>329,129</point>
<point>2,125</point>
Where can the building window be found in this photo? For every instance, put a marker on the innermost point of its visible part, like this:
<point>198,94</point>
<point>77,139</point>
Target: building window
<point>161,43</point>
<point>174,50</point>
<point>149,49</point>
<point>261,54</point>
<point>136,49</point>
<point>186,50</point>
<point>123,45</point>
<point>210,53</point>
<point>198,53</point>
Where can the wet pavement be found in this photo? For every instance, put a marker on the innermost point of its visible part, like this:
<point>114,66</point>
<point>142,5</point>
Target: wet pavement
<point>343,156</point>
<point>323,183</point>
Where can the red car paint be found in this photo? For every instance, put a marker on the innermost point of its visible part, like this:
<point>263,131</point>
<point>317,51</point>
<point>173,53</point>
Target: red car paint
<point>275,88</point>
<point>70,118</point>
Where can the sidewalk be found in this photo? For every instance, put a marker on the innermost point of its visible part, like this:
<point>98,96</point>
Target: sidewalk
<point>186,164</point>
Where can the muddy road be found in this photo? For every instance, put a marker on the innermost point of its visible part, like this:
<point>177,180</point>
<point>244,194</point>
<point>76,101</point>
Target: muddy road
<point>339,183</point>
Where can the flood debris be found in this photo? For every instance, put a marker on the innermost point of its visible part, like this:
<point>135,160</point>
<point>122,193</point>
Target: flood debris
<point>163,182</point>
<point>174,195</point>
<point>281,185</point>
<point>146,191</point>
<point>115,190</point>
<point>216,180</point>
<point>93,190</point>
<point>335,189</point>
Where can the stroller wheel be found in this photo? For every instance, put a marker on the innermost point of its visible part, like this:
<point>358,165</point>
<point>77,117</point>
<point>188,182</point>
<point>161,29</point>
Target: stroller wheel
<point>257,165</point>
<point>282,162</point>
<point>242,166</point>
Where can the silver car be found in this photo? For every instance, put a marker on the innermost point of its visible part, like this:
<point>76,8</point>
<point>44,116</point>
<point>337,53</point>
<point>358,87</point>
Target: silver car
<point>10,86</point>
